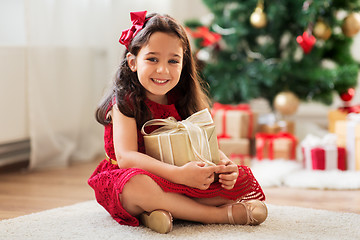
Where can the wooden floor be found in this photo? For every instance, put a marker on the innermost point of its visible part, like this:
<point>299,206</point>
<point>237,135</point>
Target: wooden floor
<point>23,192</point>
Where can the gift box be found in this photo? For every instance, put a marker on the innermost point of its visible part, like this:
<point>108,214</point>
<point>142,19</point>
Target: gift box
<point>328,158</point>
<point>234,146</point>
<point>348,132</point>
<point>323,153</point>
<point>241,159</point>
<point>234,121</point>
<point>340,115</point>
<point>275,146</point>
<point>178,143</point>
<point>269,128</point>
<point>236,149</point>
<point>333,116</point>
<point>277,127</point>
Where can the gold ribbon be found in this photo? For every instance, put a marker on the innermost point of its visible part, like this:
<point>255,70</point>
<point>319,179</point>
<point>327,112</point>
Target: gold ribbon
<point>193,126</point>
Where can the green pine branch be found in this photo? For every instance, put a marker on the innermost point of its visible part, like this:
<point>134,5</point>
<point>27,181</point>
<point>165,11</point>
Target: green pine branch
<point>251,62</point>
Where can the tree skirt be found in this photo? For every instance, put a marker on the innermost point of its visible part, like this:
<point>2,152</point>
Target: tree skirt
<point>272,173</point>
<point>88,220</point>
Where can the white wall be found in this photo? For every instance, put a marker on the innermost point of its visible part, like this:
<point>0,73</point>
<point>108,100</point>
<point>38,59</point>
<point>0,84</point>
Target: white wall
<point>14,36</point>
<point>13,94</point>
<point>13,111</point>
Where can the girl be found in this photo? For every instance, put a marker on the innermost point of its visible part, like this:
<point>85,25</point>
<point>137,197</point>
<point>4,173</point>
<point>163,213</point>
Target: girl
<point>157,79</point>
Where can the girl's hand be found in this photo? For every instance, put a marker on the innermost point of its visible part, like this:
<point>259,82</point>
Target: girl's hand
<point>228,173</point>
<point>197,175</point>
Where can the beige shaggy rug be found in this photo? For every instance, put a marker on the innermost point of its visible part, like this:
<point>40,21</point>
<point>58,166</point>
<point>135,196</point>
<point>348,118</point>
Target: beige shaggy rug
<point>88,220</point>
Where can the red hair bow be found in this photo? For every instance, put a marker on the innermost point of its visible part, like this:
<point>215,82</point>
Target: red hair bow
<point>138,21</point>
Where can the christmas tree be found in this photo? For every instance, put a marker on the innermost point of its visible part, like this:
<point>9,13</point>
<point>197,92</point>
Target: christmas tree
<point>259,48</point>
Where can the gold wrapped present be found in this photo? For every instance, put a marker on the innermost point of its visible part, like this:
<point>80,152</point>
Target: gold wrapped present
<point>348,132</point>
<point>234,121</point>
<point>269,128</point>
<point>340,114</point>
<point>333,116</point>
<point>178,143</point>
<point>280,126</point>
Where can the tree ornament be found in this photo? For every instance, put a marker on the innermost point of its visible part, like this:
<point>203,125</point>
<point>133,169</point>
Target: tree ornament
<point>348,95</point>
<point>351,24</point>
<point>306,5</point>
<point>306,41</point>
<point>208,38</point>
<point>322,30</point>
<point>286,103</point>
<point>258,17</point>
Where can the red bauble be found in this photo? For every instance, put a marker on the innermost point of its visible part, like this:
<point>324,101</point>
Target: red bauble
<point>306,41</point>
<point>348,95</point>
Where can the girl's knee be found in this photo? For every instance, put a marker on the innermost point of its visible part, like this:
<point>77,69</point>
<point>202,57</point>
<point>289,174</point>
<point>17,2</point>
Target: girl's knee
<point>138,189</point>
<point>136,186</point>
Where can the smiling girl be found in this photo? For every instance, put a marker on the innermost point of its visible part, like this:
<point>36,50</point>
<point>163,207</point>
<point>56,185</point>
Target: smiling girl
<point>157,79</point>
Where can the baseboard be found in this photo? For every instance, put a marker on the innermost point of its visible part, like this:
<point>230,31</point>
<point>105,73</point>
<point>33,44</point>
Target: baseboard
<point>14,152</point>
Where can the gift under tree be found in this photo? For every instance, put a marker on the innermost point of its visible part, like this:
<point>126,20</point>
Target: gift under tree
<point>348,133</point>
<point>236,126</point>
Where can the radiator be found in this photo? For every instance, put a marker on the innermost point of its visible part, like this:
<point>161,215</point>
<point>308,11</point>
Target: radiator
<point>14,152</point>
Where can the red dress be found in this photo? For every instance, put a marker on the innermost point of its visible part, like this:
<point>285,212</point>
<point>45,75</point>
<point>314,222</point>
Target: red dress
<point>108,180</point>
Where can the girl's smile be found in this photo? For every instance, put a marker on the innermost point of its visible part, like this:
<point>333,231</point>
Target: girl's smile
<point>158,65</point>
<point>160,81</point>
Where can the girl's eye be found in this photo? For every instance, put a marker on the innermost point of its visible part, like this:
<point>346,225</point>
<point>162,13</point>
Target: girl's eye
<point>152,59</point>
<point>173,61</point>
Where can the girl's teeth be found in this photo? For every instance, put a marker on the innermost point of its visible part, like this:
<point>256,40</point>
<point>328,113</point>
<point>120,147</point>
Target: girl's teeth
<point>159,81</point>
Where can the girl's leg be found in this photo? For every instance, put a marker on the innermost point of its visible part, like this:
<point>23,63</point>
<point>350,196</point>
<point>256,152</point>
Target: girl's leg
<point>142,193</point>
<point>215,201</point>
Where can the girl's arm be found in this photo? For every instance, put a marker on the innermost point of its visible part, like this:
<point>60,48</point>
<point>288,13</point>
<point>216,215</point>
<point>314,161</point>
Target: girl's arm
<point>192,174</point>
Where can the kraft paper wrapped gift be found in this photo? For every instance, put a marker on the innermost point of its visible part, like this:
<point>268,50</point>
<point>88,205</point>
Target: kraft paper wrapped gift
<point>241,159</point>
<point>234,121</point>
<point>234,146</point>
<point>348,132</point>
<point>236,149</point>
<point>178,143</point>
<point>323,153</point>
<point>275,146</point>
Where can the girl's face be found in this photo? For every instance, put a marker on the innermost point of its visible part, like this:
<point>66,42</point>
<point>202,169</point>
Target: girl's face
<point>158,65</point>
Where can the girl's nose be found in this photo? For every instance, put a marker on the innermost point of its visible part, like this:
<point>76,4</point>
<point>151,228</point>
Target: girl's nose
<point>162,68</point>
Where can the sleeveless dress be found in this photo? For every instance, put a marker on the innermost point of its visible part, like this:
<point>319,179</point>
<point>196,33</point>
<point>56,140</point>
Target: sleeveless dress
<point>108,179</point>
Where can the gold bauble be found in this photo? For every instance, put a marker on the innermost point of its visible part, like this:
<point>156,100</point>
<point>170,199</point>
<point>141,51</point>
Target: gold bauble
<point>322,30</point>
<point>351,24</point>
<point>286,103</point>
<point>258,18</point>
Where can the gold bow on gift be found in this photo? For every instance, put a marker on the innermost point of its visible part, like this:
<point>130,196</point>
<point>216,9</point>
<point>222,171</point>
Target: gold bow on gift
<point>193,126</point>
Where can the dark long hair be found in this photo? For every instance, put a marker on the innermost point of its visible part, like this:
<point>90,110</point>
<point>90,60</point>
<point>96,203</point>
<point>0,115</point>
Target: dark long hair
<point>130,94</point>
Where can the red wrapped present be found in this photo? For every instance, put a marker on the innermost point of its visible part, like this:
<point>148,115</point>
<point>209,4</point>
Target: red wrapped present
<point>328,158</point>
<point>276,146</point>
<point>323,153</point>
<point>234,121</point>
